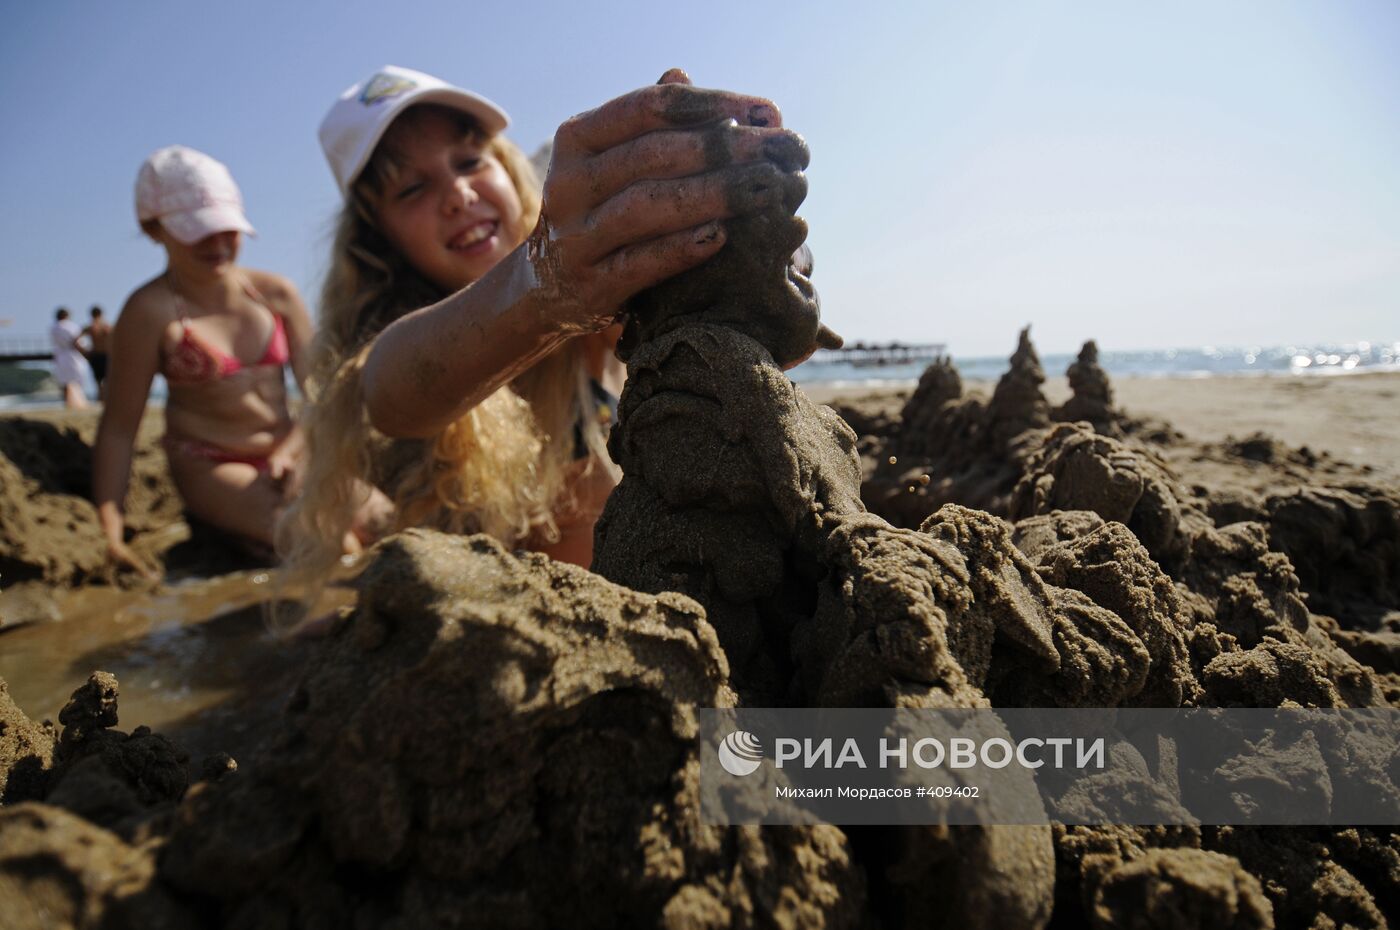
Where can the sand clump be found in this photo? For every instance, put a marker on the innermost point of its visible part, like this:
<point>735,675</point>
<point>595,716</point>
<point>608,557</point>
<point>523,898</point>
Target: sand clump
<point>939,386</point>
<point>1344,543</point>
<point>510,739</point>
<point>48,525</point>
<point>50,539</point>
<point>82,816</point>
<point>1071,467</point>
<point>952,447</point>
<point>1341,541</point>
<point>1091,400</point>
<point>26,753</point>
<point>1163,597</point>
<point>58,871</point>
<point>488,739</point>
<point>114,779</point>
<point>1180,889</point>
<point>1018,403</point>
<point>1253,637</point>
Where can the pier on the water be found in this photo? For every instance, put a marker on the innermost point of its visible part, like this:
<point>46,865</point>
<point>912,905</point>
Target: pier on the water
<point>872,355</point>
<point>25,348</point>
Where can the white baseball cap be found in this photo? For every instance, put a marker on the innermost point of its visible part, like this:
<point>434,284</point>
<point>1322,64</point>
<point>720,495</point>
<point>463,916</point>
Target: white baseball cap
<point>358,120</point>
<point>191,194</point>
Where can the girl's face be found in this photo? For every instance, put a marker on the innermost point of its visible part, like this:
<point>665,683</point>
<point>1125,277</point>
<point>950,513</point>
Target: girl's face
<point>209,256</point>
<point>451,208</point>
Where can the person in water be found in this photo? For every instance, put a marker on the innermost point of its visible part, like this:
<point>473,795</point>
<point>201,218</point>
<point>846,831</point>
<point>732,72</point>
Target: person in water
<point>98,334</point>
<point>222,336</point>
<point>465,360</point>
<point>68,361</point>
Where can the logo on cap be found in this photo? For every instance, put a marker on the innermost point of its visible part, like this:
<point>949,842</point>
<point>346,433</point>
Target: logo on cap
<point>383,86</point>
<point>740,753</point>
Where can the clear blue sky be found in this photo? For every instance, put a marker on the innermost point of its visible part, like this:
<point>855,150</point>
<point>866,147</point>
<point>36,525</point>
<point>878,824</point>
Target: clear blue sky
<point>1152,175</point>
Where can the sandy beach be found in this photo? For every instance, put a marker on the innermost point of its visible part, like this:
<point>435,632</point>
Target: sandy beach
<point>1353,418</point>
<point>1227,542</point>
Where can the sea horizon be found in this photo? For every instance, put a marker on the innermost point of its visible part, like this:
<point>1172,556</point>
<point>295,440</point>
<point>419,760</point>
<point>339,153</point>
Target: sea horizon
<point>1322,359</point>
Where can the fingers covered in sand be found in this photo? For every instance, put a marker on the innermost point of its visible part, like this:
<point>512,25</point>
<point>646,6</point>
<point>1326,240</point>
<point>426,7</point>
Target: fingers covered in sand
<point>660,106</point>
<point>637,187</point>
<point>123,558</point>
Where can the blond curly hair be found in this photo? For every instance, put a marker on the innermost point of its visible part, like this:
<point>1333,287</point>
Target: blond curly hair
<point>501,469</point>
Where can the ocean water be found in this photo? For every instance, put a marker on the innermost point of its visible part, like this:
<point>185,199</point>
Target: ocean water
<point>1199,362</point>
<point>48,396</point>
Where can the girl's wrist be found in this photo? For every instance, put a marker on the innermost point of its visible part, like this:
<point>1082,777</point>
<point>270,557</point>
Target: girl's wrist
<point>111,521</point>
<point>561,304</point>
<point>546,304</point>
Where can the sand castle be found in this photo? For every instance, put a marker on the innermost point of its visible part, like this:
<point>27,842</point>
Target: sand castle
<point>1092,398</point>
<point>952,447</point>
<point>1017,403</point>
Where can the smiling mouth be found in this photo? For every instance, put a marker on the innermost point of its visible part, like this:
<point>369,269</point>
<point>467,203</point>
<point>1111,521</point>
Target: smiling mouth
<point>474,238</point>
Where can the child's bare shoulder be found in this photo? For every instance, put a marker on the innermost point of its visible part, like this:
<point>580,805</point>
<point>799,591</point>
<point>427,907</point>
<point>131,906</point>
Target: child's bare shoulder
<point>149,306</point>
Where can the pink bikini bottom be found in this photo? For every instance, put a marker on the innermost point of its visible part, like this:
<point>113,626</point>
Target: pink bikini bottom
<point>194,448</point>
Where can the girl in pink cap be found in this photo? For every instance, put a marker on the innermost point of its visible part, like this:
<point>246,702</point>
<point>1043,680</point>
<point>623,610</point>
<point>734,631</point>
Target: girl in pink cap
<point>221,335</point>
<point>465,361</point>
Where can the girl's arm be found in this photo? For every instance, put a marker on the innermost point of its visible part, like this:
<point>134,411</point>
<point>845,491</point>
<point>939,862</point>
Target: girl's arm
<point>135,357</point>
<point>635,194</point>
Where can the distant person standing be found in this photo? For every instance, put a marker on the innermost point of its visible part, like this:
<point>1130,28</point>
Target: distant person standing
<point>99,337</point>
<point>68,362</point>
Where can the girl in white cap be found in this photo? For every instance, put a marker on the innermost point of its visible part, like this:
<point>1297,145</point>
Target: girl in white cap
<point>221,335</point>
<point>486,357</point>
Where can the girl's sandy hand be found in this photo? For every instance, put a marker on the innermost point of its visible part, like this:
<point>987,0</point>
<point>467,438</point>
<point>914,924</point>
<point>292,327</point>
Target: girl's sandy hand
<point>637,189</point>
<point>122,557</point>
<point>284,465</point>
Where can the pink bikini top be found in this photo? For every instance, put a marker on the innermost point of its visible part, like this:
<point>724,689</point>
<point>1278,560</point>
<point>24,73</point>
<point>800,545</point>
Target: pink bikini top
<point>193,360</point>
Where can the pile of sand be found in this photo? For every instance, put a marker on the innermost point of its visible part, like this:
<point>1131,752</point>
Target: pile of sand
<point>488,740</point>
<point>1091,400</point>
<point>49,534</point>
<point>493,739</point>
<point>1339,527</point>
<point>48,525</point>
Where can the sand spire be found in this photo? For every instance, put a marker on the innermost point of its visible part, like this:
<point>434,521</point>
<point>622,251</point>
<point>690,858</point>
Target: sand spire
<point>1092,400</point>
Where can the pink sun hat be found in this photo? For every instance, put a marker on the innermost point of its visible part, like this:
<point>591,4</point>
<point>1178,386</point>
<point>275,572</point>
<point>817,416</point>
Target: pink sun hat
<point>191,194</point>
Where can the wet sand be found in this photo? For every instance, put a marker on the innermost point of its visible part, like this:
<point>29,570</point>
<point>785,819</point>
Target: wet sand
<point>195,654</point>
<point>197,660</point>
